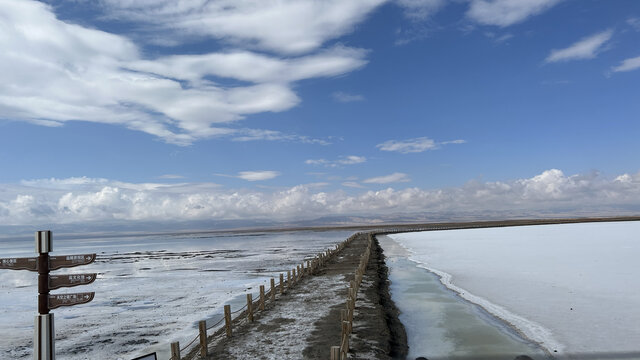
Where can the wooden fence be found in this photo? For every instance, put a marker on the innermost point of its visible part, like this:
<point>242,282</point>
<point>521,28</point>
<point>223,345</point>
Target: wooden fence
<point>346,314</point>
<point>246,313</point>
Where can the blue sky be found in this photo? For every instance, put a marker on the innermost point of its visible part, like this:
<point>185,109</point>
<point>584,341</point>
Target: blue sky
<point>126,111</point>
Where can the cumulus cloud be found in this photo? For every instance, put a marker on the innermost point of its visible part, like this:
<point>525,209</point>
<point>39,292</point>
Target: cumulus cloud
<point>66,72</point>
<point>586,48</point>
<point>387,179</point>
<point>507,12</point>
<point>82,200</point>
<point>415,145</point>
<point>627,65</point>
<point>343,97</point>
<point>344,160</point>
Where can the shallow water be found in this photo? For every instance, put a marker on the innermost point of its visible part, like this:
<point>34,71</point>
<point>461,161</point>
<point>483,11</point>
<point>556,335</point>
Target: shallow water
<point>440,324</point>
<point>150,290</point>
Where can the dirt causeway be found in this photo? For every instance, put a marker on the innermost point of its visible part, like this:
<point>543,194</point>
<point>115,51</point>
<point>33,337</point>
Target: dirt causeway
<point>305,322</point>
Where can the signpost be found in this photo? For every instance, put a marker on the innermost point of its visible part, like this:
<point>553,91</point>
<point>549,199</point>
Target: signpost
<point>44,338</point>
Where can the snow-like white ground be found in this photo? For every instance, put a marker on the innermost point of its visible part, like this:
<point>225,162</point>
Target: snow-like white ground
<point>574,288</point>
<point>150,290</point>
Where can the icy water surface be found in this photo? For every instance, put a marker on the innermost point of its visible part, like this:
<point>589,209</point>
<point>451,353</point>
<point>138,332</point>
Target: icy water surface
<point>150,290</point>
<point>573,288</point>
<point>441,325</point>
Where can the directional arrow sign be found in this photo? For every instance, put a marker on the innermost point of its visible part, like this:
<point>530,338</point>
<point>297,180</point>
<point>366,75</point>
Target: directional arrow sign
<point>66,261</point>
<point>55,301</point>
<point>30,263</point>
<point>58,281</point>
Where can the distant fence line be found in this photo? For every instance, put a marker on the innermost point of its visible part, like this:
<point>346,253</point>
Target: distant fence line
<point>246,313</point>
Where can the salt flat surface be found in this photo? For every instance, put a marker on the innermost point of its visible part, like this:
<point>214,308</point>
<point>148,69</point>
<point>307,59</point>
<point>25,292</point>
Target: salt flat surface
<point>150,290</point>
<point>440,325</point>
<point>572,287</point>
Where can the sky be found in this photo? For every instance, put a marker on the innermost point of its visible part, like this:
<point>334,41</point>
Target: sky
<point>129,112</point>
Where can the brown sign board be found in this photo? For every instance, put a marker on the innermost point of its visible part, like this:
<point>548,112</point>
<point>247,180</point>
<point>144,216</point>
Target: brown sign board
<point>58,281</point>
<point>67,261</point>
<point>30,263</point>
<point>56,301</point>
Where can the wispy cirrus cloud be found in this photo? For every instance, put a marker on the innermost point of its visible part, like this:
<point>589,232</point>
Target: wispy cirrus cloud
<point>415,145</point>
<point>627,65</point>
<point>352,184</point>
<point>344,160</point>
<point>388,179</point>
<point>586,48</point>
<point>507,12</point>
<point>170,176</point>
<point>85,200</point>
<point>634,22</point>
<point>420,9</point>
<point>273,135</point>
<point>344,97</point>
<point>257,175</point>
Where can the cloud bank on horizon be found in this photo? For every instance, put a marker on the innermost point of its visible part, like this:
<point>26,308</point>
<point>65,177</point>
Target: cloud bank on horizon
<point>85,200</point>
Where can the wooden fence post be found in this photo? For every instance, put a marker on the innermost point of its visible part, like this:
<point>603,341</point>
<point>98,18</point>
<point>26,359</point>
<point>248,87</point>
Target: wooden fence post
<point>249,308</point>
<point>335,353</point>
<point>227,319</point>
<point>202,326</point>
<point>288,279</point>
<point>273,289</point>
<point>261,303</point>
<point>281,284</point>
<point>175,350</point>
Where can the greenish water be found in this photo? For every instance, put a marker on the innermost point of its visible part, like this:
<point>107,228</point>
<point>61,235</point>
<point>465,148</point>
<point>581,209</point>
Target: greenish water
<point>442,325</point>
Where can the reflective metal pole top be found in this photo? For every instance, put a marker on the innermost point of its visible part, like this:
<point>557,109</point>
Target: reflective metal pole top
<point>44,243</point>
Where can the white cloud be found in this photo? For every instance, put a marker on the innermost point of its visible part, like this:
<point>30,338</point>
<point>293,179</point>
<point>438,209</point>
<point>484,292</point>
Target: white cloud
<point>586,48</point>
<point>344,160</point>
<point>65,72</point>
<point>170,176</point>
<point>352,184</point>
<point>258,175</point>
<point>388,179</point>
<point>408,146</point>
<point>627,65</point>
<point>506,12</point>
<point>272,135</point>
<point>82,200</point>
<point>415,145</point>
<point>287,26</point>
<point>420,9</point>
<point>346,97</point>
<point>634,22</point>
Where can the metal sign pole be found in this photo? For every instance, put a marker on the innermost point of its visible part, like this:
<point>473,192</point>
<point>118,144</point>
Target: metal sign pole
<point>44,337</point>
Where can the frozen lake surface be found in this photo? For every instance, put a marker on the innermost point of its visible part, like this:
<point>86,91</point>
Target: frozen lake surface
<point>573,288</point>
<point>150,290</point>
